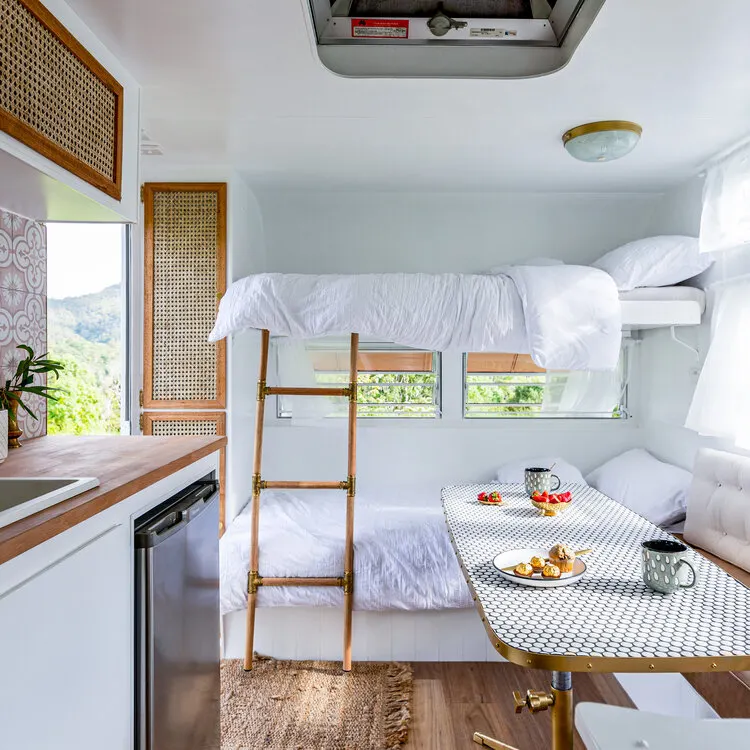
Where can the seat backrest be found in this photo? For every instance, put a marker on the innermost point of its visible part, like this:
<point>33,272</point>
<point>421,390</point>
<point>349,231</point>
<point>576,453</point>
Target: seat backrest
<point>718,510</point>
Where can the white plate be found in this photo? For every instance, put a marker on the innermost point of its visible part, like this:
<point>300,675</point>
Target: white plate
<point>515,556</point>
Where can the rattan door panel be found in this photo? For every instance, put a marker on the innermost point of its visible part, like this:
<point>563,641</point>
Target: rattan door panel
<point>56,98</point>
<point>185,275</point>
<point>174,424</point>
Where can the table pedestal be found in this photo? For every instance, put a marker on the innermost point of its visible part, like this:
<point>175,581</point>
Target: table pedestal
<point>560,704</point>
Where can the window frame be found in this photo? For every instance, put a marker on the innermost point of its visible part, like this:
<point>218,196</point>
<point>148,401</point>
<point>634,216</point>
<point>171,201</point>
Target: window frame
<point>625,414</point>
<point>378,346</point>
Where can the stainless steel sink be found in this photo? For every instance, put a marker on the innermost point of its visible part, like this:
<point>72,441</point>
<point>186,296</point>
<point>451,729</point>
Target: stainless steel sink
<point>24,496</point>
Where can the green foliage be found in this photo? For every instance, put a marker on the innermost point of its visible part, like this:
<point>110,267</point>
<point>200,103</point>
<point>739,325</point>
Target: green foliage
<point>86,408</point>
<point>84,332</point>
<point>387,394</point>
<point>23,380</point>
<point>500,395</point>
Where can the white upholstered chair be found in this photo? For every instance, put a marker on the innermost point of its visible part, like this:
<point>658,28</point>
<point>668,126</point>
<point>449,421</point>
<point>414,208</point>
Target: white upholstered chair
<point>718,510</point>
<point>605,727</point>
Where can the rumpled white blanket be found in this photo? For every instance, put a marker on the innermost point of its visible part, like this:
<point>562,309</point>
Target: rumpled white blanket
<point>403,557</point>
<point>566,317</point>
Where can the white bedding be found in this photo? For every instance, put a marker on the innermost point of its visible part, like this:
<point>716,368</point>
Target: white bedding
<point>566,317</point>
<point>403,557</point>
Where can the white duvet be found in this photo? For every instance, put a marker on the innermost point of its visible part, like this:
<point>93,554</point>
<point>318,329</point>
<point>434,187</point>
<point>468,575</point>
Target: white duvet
<point>566,317</point>
<point>403,557</point>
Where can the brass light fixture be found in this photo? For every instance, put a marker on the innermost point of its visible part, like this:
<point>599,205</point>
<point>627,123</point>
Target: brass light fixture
<point>606,140</point>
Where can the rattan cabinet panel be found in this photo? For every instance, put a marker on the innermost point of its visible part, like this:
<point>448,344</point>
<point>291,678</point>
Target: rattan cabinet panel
<point>56,98</point>
<point>175,424</point>
<point>185,269</point>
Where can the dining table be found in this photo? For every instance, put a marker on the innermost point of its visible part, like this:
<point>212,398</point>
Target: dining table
<point>608,620</point>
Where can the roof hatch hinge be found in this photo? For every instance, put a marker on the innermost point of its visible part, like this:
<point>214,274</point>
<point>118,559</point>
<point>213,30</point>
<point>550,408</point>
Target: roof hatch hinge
<point>440,24</point>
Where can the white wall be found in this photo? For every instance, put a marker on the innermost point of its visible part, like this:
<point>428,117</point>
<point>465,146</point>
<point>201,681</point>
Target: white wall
<point>368,232</point>
<point>669,372</point>
<point>361,232</point>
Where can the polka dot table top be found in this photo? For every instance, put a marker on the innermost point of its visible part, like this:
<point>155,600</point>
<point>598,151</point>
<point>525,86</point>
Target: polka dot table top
<point>610,612</point>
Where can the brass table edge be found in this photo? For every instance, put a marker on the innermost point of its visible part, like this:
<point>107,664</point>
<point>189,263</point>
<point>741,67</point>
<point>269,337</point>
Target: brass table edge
<point>594,663</point>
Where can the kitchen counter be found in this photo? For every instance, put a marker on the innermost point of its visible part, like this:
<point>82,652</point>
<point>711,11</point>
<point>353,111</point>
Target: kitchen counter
<point>124,466</point>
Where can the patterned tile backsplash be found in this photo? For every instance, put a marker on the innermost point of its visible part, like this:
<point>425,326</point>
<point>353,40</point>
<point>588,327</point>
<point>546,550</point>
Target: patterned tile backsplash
<point>23,303</point>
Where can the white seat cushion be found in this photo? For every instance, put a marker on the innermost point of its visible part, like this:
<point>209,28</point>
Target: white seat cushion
<point>718,512</point>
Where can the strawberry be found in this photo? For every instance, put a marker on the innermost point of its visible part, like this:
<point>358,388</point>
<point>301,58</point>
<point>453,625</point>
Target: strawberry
<point>553,500</point>
<point>482,496</point>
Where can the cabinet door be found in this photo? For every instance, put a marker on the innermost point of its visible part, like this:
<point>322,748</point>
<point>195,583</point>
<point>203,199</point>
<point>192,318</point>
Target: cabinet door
<point>66,652</point>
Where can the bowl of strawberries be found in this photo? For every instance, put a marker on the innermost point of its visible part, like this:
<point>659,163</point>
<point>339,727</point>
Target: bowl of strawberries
<point>551,503</point>
<point>490,498</point>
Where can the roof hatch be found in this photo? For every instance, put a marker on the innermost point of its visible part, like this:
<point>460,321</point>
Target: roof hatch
<point>449,38</point>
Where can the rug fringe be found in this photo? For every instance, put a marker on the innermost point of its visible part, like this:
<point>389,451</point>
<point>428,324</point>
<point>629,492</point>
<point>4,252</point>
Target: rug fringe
<point>398,699</point>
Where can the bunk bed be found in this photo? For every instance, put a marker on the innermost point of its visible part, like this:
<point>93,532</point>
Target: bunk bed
<point>565,317</point>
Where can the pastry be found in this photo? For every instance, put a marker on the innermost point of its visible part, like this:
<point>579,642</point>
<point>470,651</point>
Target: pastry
<point>562,556</point>
<point>550,571</point>
<point>524,569</point>
<point>537,563</point>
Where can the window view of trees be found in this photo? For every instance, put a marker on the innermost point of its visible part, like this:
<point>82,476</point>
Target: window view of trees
<point>517,394</point>
<point>392,382</point>
<point>84,328</point>
<point>392,394</point>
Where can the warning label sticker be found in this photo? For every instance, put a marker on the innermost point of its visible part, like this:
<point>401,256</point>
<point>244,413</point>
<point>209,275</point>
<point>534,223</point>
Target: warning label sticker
<point>491,33</point>
<point>380,28</point>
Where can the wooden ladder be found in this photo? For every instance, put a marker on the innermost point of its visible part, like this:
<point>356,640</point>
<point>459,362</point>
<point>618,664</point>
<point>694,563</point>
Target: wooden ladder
<point>346,581</point>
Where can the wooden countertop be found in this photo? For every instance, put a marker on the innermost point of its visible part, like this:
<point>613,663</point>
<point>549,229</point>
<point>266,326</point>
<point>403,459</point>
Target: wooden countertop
<point>124,465</point>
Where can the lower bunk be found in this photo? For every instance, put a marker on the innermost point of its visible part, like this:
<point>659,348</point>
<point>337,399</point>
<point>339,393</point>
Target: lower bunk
<point>410,598</point>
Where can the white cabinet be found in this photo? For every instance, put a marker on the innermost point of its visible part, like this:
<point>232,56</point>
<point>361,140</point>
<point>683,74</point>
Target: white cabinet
<point>66,651</point>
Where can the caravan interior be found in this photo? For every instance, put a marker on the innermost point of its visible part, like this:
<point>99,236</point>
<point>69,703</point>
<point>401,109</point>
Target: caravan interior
<point>408,398</point>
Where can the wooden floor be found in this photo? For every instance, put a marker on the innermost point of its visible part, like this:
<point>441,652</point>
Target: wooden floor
<point>452,700</point>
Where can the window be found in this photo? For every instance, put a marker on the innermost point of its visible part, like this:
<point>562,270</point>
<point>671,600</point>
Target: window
<point>511,385</point>
<point>87,304</point>
<point>393,381</point>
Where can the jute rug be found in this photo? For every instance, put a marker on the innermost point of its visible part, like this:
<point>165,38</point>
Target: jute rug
<point>313,705</point>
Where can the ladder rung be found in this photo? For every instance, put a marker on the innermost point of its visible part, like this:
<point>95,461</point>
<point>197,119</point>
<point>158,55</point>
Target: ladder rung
<point>301,581</point>
<point>320,391</point>
<point>305,485</point>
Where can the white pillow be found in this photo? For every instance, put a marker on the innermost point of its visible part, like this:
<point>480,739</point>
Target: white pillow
<point>655,490</point>
<point>654,261</point>
<point>512,473</point>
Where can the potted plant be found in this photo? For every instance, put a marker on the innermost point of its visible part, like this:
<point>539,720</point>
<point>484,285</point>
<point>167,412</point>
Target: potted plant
<point>23,382</point>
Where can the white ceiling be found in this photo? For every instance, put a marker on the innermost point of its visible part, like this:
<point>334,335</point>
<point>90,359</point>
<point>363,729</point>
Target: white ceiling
<point>238,82</point>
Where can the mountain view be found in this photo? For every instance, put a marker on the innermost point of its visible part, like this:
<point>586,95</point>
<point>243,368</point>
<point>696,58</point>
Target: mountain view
<point>84,333</point>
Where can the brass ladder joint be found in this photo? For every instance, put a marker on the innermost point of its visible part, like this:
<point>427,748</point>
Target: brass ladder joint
<point>254,582</point>
<point>352,392</point>
<point>347,582</point>
<point>350,485</point>
<point>258,484</point>
<point>262,391</point>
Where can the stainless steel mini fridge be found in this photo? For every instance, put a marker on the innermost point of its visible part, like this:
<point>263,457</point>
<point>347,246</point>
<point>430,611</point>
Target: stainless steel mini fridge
<point>177,622</point>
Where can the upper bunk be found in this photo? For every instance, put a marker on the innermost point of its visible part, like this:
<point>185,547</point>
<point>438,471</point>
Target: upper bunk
<point>567,317</point>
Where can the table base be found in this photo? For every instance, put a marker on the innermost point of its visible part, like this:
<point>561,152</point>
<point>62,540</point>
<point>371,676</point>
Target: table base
<point>560,704</point>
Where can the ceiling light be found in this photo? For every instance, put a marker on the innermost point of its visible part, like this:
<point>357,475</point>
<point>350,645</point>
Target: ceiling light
<point>602,141</point>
